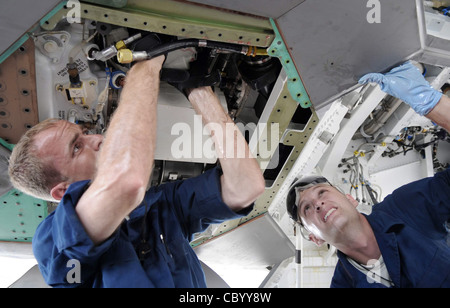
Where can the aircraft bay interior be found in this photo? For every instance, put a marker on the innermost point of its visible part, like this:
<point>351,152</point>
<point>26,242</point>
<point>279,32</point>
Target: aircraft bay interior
<point>287,74</point>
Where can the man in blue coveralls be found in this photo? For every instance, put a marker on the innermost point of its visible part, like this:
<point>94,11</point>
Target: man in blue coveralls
<point>402,243</point>
<point>119,232</point>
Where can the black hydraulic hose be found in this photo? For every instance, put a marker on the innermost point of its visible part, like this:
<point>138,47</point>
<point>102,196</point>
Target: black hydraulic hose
<point>128,56</point>
<point>168,47</point>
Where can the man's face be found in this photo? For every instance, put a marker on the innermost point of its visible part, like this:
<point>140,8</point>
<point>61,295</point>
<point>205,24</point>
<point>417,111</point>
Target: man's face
<point>70,150</point>
<point>327,213</point>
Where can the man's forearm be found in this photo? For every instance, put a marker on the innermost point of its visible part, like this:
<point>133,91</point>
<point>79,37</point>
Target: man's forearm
<point>242,180</point>
<point>131,136</point>
<point>440,114</point>
<point>126,157</point>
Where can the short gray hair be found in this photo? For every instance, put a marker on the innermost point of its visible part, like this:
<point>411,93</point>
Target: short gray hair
<point>27,171</point>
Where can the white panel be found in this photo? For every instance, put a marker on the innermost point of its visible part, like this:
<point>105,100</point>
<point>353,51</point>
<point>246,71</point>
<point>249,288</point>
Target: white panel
<point>397,175</point>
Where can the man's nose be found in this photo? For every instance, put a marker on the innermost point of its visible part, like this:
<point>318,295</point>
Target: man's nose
<point>95,141</point>
<point>318,205</point>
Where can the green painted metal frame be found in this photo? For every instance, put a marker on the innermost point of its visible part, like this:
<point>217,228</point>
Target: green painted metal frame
<point>177,19</point>
<point>295,84</point>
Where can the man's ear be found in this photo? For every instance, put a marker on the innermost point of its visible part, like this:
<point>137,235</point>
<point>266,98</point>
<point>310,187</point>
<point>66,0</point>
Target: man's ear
<point>352,200</point>
<point>58,191</point>
<point>316,240</point>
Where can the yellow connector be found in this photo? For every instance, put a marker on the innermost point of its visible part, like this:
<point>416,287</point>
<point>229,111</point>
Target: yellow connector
<point>120,45</point>
<point>255,51</point>
<point>125,56</point>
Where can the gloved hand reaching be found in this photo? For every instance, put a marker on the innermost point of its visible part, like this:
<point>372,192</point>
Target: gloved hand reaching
<point>407,83</point>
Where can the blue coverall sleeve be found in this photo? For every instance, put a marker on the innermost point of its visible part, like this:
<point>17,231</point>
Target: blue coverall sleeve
<point>425,204</point>
<point>61,243</point>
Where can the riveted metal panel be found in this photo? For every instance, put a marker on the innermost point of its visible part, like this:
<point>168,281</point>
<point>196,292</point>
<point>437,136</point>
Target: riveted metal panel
<point>20,215</point>
<point>179,19</point>
<point>18,100</point>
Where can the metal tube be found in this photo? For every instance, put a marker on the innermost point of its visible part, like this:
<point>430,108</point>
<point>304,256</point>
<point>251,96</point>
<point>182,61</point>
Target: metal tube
<point>298,257</point>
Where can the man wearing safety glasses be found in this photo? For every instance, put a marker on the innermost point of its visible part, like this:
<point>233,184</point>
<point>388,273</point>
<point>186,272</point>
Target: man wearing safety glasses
<point>402,243</point>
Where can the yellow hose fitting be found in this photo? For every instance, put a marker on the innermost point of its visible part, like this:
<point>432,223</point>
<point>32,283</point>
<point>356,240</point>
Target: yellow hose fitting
<point>120,45</point>
<point>125,56</point>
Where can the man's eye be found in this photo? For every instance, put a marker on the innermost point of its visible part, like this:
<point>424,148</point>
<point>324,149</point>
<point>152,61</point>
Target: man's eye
<point>306,208</point>
<point>76,148</point>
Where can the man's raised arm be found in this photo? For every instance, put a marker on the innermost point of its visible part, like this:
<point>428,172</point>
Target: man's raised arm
<point>126,158</point>
<point>242,180</point>
<point>407,83</point>
<point>440,114</point>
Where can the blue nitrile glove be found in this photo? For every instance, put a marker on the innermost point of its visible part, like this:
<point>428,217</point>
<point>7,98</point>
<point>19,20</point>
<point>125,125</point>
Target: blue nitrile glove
<point>407,83</point>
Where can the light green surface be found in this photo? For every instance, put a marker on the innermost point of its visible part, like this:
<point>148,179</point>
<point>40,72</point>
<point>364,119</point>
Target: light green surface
<point>20,215</point>
<point>295,84</point>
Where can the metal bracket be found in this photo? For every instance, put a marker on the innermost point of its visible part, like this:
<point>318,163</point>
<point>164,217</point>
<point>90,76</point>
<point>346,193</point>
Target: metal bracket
<point>175,18</point>
<point>295,84</point>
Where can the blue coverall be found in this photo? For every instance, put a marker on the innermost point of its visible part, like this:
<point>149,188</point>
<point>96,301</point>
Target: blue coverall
<point>175,211</point>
